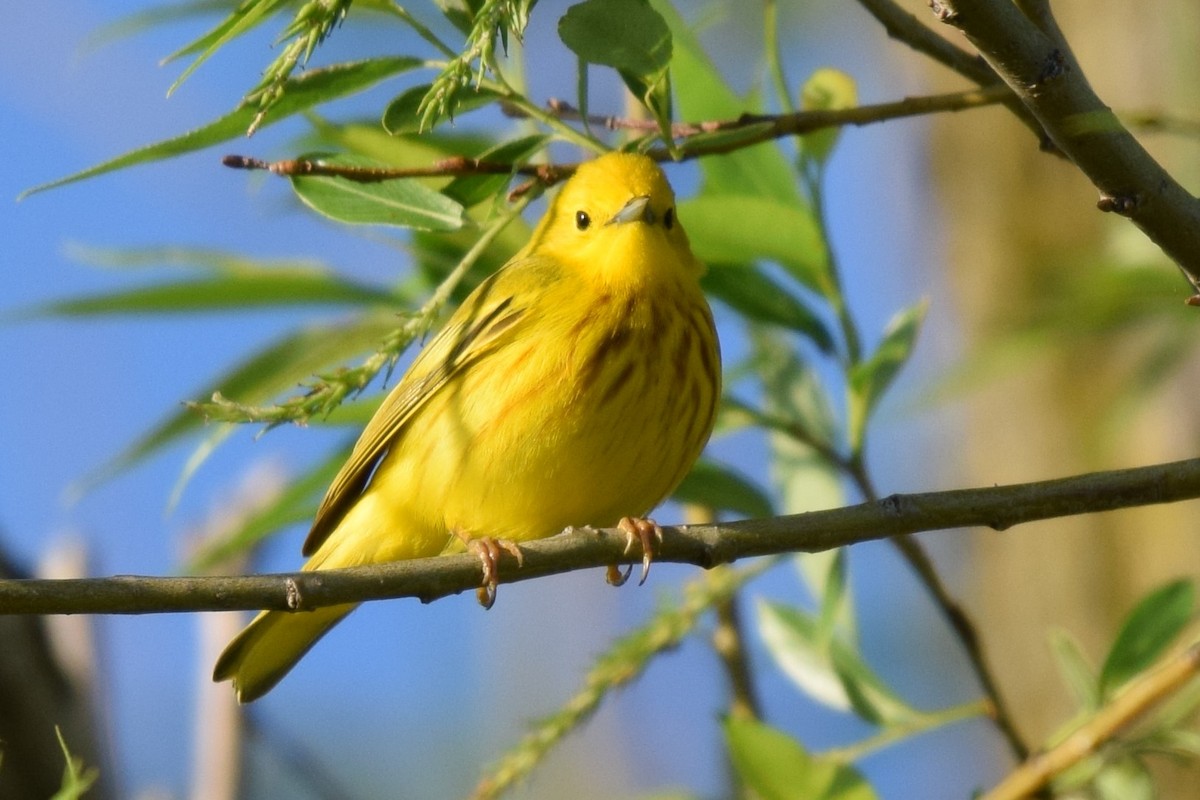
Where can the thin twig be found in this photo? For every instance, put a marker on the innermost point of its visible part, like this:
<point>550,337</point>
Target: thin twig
<point>759,128</point>
<point>996,507</point>
<point>1140,696</point>
<point>956,617</point>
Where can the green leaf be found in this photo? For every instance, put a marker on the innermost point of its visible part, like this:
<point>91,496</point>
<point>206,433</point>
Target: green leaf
<point>740,228</point>
<point>722,489</point>
<point>631,37</point>
<point>300,94</point>
<point>803,431</point>
<point>1147,632</point>
<point>401,115</point>
<point>297,503</point>
<point>870,378</point>
<point>750,291</point>
<point>702,95</point>
<point>829,578</point>
<point>1078,674</point>
<point>469,190</point>
<point>627,35</point>
<point>774,766</point>
<point>77,778</point>
<point>245,17</point>
<point>292,359</point>
<point>826,89</point>
<point>825,667</point>
<point>220,294</point>
<point>405,203</point>
<point>1124,779</point>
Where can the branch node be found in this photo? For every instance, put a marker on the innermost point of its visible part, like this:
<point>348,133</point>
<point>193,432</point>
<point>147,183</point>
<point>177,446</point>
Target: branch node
<point>1123,204</point>
<point>292,591</point>
<point>943,12</point>
<point>1054,67</point>
<point>894,504</point>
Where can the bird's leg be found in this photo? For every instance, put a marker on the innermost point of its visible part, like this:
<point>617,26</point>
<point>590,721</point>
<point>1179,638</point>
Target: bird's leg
<point>645,531</point>
<point>488,551</point>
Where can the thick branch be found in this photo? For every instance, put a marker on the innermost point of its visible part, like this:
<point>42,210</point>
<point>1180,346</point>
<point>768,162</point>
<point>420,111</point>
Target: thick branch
<point>997,507</point>
<point>1037,66</point>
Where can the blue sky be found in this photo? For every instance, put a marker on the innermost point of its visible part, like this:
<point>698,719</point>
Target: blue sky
<point>386,696</point>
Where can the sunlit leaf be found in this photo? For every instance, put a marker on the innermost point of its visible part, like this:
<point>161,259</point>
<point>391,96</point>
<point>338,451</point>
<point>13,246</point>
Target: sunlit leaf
<point>739,228</point>
<point>827,89</point>
<point>279,367</point>
<point>301,93</point>
<point>825,667</point>
<point>401,115</point>
<point>871,378</point>
<point>244,17</point>
<point>774,766</point>
<point>702,94</point>
<point>406,203</point>
<point>1147,632</point>
<point>220,294</point>
<point>1124,779</point>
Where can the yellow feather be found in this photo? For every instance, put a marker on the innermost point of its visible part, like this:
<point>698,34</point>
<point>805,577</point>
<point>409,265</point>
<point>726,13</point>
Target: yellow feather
<point>576,386</point>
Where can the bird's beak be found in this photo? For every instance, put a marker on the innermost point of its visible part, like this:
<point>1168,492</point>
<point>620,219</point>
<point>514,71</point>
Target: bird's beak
<point>636,210</point>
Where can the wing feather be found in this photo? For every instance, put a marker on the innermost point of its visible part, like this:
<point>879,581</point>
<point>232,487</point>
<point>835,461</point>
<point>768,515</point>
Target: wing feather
<point>476,329</point>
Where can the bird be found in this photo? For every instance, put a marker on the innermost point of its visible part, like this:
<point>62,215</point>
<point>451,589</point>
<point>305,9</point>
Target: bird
<point>574,387</point>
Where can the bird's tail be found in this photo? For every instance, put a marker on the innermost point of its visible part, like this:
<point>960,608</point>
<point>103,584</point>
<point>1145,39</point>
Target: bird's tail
<point>270,646</point>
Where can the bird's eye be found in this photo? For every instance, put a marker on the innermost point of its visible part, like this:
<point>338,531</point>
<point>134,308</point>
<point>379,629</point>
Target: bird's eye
<point>669,218</point>
<point>582,220</point>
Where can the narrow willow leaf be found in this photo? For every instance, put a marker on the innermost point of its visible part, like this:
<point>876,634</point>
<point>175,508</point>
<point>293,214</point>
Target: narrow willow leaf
<point>281,366</point>
<point>749,290</point>
<point>300,94</point>
<point>703,95</point>
<point>872,377</point>
<point>470,190</point>
<point>774,766</point>
<point>720,488</point>
<point>405,203</point>
<point>1077,672</point>
<point>1147,632</point>
<point>246,16</point>
<point>825,667</point>
<point>401,115</point>
<point>296,503</point>
<point>220,294</point>
<point>737,228</point>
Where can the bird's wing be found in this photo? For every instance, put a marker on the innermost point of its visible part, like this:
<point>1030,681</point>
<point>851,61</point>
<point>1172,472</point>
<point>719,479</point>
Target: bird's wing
<point>476,328</point>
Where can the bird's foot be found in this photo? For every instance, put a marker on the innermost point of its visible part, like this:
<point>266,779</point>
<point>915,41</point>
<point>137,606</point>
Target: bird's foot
<point>645,531</point>
<point>488,551</point>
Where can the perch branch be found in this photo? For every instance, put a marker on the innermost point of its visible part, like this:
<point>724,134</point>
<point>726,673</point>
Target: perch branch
<point>998,507</point>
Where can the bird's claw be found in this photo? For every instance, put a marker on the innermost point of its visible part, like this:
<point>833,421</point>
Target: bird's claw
<point>488,551</point>
<point>645,532</point>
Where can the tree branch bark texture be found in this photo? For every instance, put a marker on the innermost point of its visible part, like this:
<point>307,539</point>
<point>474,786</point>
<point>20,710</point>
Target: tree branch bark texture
<point>706,546</point>
<point>1034,60</point>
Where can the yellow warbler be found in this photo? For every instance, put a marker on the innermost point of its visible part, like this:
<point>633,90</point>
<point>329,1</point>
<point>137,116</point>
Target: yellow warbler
<point>575,386</point>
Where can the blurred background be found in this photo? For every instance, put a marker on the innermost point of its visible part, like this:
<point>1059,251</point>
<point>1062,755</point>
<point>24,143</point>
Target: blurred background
<point>405,700</point>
